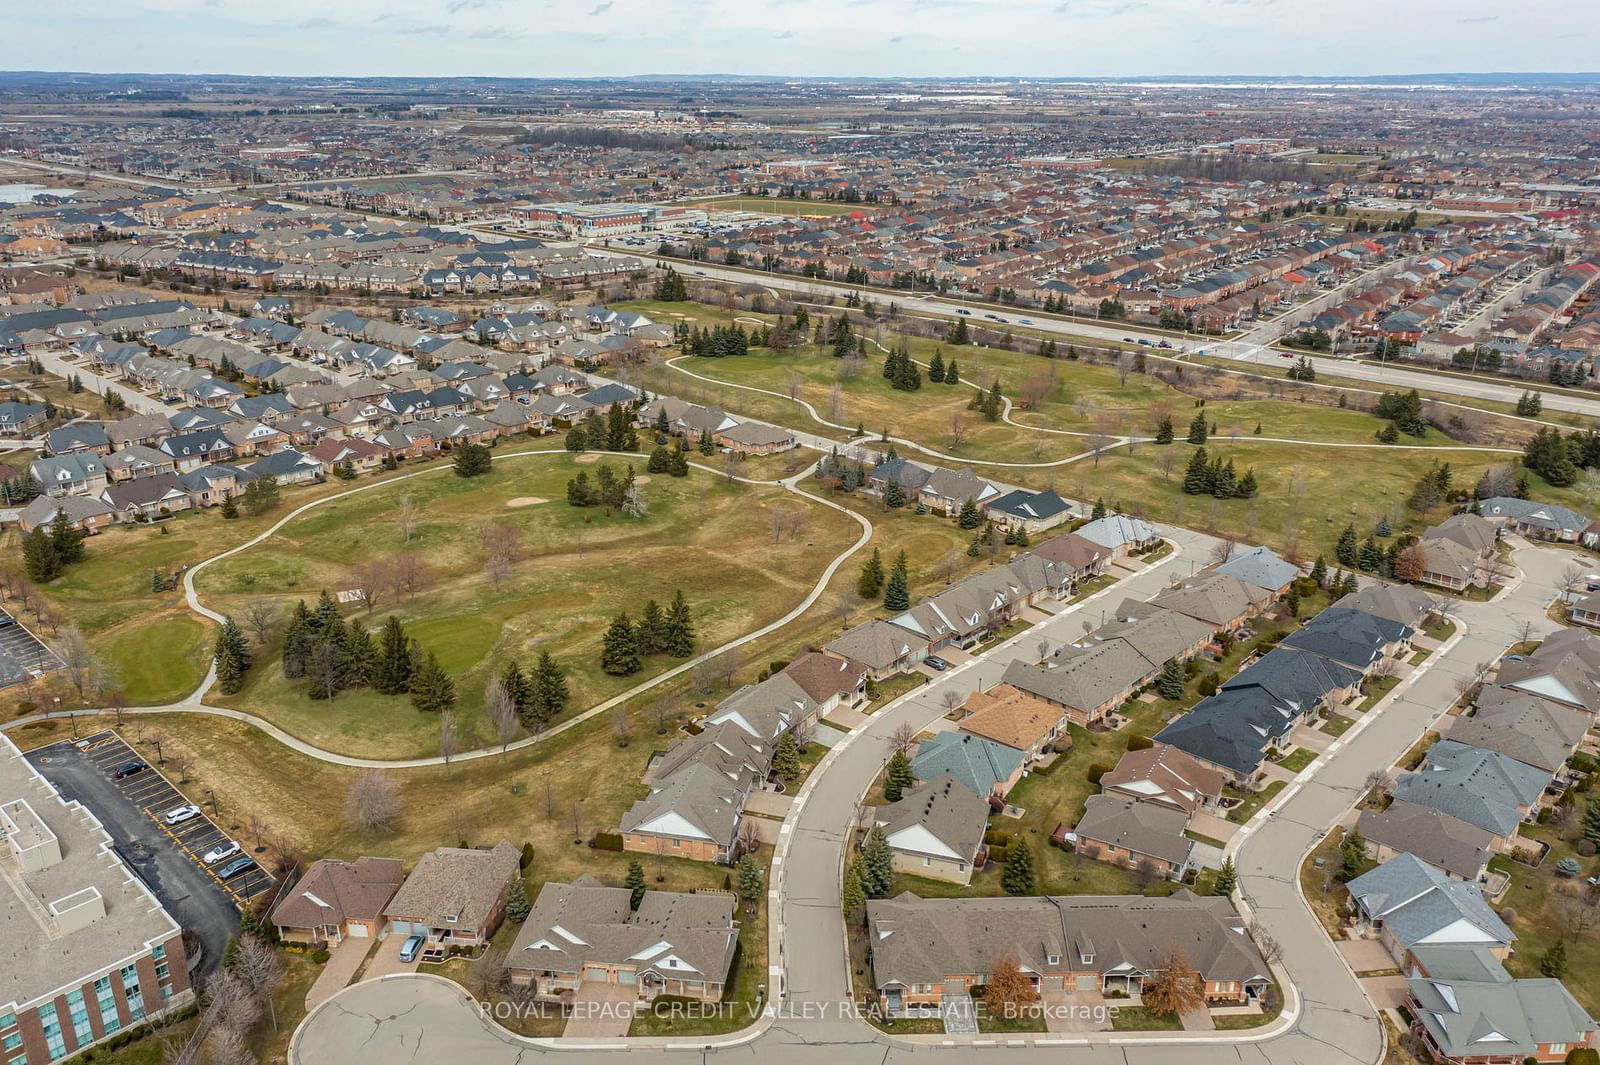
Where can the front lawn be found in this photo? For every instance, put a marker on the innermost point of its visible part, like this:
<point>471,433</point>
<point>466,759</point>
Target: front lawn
<point>1298,759</point>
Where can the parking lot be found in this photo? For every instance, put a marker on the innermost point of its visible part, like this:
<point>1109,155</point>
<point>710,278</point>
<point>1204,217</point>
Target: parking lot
<point>21,650</point>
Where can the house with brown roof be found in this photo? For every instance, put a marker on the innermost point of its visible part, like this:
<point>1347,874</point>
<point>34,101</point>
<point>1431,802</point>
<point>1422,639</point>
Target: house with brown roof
<point>456,897</point>
<point>1010,716</point>
<point>1165,776</point>
<point>336,898</point>
<point>1135,835</point>
<point>1083,558</point>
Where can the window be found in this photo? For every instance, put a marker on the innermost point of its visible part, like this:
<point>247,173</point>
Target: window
<point>78,1010</point>
<point>55,1042</point>
<point>133,992</point>
<point>107,1001</point>
<point>159,953</point>
<point>8,1021</point>
<point>1053,959</point>
<point>1558,1048</point>
<point>13,1041</point>
<point>163,973</point>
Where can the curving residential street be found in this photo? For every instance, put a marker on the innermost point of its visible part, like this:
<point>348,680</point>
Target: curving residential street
<point>1327,1018</point>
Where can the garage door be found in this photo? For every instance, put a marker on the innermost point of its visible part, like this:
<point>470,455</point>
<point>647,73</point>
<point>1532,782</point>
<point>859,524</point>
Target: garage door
<point>595,972</point>
<point>400,928</point>
<point>626,976</point>
<point>358,930</point>
<point>1087,982</point>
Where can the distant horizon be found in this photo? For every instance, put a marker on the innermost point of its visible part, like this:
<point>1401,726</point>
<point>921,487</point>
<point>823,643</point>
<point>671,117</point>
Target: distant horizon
<point>1503,76</point>
<point>788,39</point>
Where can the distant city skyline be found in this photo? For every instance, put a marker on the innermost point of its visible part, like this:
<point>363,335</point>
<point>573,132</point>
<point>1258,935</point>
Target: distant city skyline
<point>820,38</point>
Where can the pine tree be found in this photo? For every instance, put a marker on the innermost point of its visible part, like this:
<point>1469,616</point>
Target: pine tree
<point>898,777</point>
<point>1553,963</point>
<point>707,445</point>
<point>969,518</point>
<point>635,884</point>
<point>1371,556</point>
<point>680,462</point>
<point>680,627</point>
<point>652,629</point>
<point>853,895</point>
<point>894,497</point>
<point>1197,429</point>
<point>870,584</point>
<point>1351,585</point>
<point>1164,430</point>
<point>1352,855</point>
<point>39,556</point>
<point>1227,879</point>
<point>1170,684</point>
<point>1099,510</point>
<point>660,461</point>
<point>1347,546</point>
<point>1591,821</point>
<point>432,690</point>
<point>548,692</point>
<point>897,594</point>
<point>877,865</point>
<point>1319,571</point>
<point>1017,875</point>
<point>936,366</point>
<point>230,508</point>
<point>786,758</point>
<point>952,374</point>
<point>993,403</point>
<point>1197,478</point>
<point>619,648</point>
<point>517,905</point>
<point>67,539</point>
<point>232,657</point>
<point>752,878</point>
<point>391,674</point>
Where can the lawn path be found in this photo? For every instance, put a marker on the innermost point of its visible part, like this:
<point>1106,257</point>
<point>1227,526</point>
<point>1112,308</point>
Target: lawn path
<point>193,704</point>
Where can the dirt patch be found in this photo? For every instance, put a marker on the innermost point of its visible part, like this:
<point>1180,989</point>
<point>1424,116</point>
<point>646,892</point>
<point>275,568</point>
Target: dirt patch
<point>525,501</point>
<point>642,480</point>
<point>587,458</point>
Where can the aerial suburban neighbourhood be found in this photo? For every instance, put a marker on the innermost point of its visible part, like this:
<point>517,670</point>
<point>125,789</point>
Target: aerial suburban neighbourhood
<point>854,553</point>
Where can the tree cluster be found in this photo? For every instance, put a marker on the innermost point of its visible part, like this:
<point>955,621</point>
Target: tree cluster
<point>607,490</point>
<point>47,552</point>
<point>1217,478</point>
<point>720,341</point>
<point>232,657</point>
<point>901,372</point>
<point>539,695</point>
<point>335,655</point>
<point>1404,409</point>
<point>614,432</point>
<point>669,632</point>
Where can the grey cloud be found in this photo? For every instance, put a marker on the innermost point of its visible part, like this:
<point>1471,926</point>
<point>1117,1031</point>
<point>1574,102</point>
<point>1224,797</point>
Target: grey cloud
<point>600,8</point>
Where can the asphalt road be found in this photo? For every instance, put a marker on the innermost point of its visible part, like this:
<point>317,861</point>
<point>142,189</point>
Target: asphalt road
<point>1327,1018</point>
<point>198,905</point>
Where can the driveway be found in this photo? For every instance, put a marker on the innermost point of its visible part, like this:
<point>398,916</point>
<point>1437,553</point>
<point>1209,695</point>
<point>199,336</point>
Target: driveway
<point>600,1011</point>
<point>1075,1011</point>
<point>187,891</point>
<point>343,961</point>
<point>769,804</point>
<point>1386,992</point>
<point>1213,825</point>
<point>845,718</point>
<point>1366,955</point>
<point>386,959</point>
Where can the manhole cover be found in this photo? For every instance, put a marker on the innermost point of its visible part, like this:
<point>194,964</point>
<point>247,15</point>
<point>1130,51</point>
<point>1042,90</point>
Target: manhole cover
<point>45,760</point>
<point>137,850</point>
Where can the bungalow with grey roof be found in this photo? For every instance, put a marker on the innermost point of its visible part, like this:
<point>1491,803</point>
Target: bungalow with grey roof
<point>80,473</point>
<point>936,829</point>
<point>147,498</point>
<point>1135,835</point>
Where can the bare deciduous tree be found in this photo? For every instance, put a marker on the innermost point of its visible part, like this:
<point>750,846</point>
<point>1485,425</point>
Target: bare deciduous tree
<point>634,502</point>
<point>1223,550</point>
<point>501,711</point>
<point>368,579</point>
<point>903,738</point>
<point>257,966</point>
<point>259,617</point>
<point>77,659</point>
<point>959,429</point>
<point>407,518</point>
<point>373,801</point>
<point>1034,391</point>
<point>500,541</point>
<point>1166,459</point>
<point>1570,575</point>
<point>449,738</point>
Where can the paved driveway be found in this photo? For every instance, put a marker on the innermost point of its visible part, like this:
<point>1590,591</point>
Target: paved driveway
<point>1075,1011</point>
<point>343,961</point>
<point>1366,955</point>
<point>386,959</point>
<point>600,1011</point>
<point>1386,992</point>
<point>769,803</point>
<point>1213,825</point>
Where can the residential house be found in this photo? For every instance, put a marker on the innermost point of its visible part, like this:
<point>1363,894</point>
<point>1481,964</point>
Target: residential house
<point>1121,535</point>
<point>193,449</point>
<point>1564,668</point>
<point>1134,834</point>
<point>1535,731</point>
<point>77,437</point>
<point>1084,559</point>
<point>947,491</point>
<point>1540,521</point>
<point>1480,787</point>
<point>755,438</point>
<point>1351,637</point>
<point>884,650</point>
<point>1032,512</point>
<point>584,932</point>
<point>456,897</point>
<point>1444,842</point>
<point>147,498</point>
<point>1163,775</point>
<point>936,829</point>
<point>984,766</point>
<point>335,898</point>
<point>1107,944</point>
<point>1487,1022</point>
<point>1407,903</point>
<point>695,813</point>
<point>21,419</point>
<point>1449,564</point>
<point>287,467</point>
<point>358,455</point>
<point>80,512</point>
<point>1261,567</point>
<point>63,475</point>
<point>1023,722</point>
<point>137,460</point>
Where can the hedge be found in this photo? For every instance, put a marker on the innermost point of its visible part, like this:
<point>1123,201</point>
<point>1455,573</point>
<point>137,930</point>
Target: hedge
<point>607,841</point>
<point>1137,742</point>
<point>1098,770</point>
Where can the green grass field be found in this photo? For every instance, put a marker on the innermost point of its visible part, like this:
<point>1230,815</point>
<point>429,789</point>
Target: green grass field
<point>577,568</point>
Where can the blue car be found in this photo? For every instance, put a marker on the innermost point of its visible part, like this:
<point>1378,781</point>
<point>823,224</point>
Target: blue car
<point>235,867</point>
<point>409,949</point>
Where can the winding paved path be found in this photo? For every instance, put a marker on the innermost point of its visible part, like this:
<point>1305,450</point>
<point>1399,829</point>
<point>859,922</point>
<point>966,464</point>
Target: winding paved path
<point>194,704</point>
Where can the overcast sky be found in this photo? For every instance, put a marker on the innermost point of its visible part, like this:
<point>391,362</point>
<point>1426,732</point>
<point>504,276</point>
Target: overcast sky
<point>562,38</point>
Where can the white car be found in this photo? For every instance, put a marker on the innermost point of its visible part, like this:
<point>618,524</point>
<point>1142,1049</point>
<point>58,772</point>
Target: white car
<point>222,851</point>
<point>179,814</point>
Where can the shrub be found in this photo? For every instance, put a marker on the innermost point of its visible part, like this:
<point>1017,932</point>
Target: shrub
<point>1567,867</point>
<point>1137,742</point>
<point>1508,916</point>
<point>997,836</point>
<point>320,957</point>
<point>997,854</point>
<point>1583,1056</point>
<point>527,856</point>
<point>1586,848</point>
<point>1209,684</point>
<point>1098,770</point>
<point>607,841</point>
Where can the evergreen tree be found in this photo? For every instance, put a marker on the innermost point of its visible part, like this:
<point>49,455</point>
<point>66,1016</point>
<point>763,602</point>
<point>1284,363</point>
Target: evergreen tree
<point>660,460</point>
<point>898,778</point>
<point>853,895</point>
<point>1017,876</point>
<point>432,690</point>
<point>680,627</point>
<point>1099,510</point>
<point>680,462</point>
<point>993,403</point>
<point>471,460</point>
<point>517,905</point>
<point>619,648</point>
<point>786,758</point>
<point>1591,821</point>
<point>1197,478</point>
<point>894,497</point>
<point>952,375</point>
<point>67,540</point>
<point>39,556</point>
<point>897,593</point>
<point>1345,549</point>
<point>1170,684</point>
<point>579,491</point>
<point>1352,855</point>
<point>1247,488</point>
<point>1164,430</point>
<point>230,508</point>
<point>391,674</point>
<point>1197,429</point>
<point>232,657</point>
<point>936,366</point>
<point>969,518</point>
<point>1371,556</point>
<point>652,629</point>
<point>1553,963</point>
<point>1227,879</point>
<point>870,584</point>
<point>1319,571</point>
<point>635,884</point>
<point>1225,483</point>
<point>548,693</point>
<point>877,865</point>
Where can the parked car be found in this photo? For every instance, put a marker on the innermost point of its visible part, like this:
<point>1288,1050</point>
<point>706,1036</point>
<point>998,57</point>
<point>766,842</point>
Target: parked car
<point>179,814</point>
<point>128,769</point>
<point>235,867</point>
<point>226,849</point>
<point>409,949</point>
<point>1165,344</point>
<point>1143,343</point>
<point>937,663</point>
<point>963,310</point>
<point>7,619</point>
